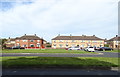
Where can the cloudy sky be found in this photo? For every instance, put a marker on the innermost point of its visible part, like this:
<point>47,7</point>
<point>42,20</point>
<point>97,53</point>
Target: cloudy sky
<point>48,18</point>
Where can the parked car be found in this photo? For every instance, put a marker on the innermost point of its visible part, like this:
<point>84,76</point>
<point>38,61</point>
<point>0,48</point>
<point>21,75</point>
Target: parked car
<point>73,48</point>
<point>16,47</point>
<point>96,48</point>
<point>89,49</point>
<point>104,49</point>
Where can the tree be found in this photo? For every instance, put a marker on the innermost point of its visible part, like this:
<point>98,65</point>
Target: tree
<point>2,43</point>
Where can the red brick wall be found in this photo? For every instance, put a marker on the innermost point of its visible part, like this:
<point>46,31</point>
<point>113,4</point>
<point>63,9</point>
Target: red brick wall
<point>28,43</point>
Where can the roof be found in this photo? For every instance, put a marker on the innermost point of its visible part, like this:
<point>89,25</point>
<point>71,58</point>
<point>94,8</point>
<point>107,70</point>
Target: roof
<point>77,38</point>
<point>12,39</point>
<point>29,37</point>
<point>115,39</point>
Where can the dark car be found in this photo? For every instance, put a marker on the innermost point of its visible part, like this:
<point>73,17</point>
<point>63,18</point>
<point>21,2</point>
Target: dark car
<point>16,47</point>
<point>105,49</point>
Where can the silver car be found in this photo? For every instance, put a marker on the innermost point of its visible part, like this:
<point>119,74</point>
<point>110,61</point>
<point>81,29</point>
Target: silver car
<point>74,48</point>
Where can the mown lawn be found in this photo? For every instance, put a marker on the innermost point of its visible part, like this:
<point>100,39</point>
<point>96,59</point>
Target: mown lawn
<point>45,51</point>
<point>36,62</point>
<point>113,51</point>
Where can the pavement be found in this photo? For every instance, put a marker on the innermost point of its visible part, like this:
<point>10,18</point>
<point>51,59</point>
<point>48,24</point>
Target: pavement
<point>100,54</point>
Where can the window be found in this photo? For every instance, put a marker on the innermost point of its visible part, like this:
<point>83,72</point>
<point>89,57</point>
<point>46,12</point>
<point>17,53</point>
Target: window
<point>82,41</point>
<point>24,40</point>
<point>73,40</point>
<point>38,40</point>
<point>67,45</point>
<point>38,45</point>
<point>60,40</point>
<point>94,41</point>
<point>73,45</point>
<point>31,40</point>
<point>66,41</point>
<point>54,45</point>
<point>31,45</point>
<point>60,45</point>
<point>54,41</point>
<point>82,45</point>
<point>18,40</point>
<point>18,44</point>
<point>24,45</point>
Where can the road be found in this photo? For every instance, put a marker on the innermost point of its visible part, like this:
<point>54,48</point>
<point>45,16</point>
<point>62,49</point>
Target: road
<point>57,72</point>
<point>100,54</point>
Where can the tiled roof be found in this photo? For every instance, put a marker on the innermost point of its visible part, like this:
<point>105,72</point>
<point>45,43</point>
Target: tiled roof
<point>29,37</point>
<point>115,38</point>
<point>77,38</point>
<point>12,39</point>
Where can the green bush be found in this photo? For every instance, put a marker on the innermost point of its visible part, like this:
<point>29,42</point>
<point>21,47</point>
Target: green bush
<point>106,45</point>
<point>48,46</point>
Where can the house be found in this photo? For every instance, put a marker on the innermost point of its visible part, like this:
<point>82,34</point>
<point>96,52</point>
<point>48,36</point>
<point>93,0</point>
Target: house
<point>114,42</point>
<point>81,41</point>
<point>10,42</point>
<point>27,41</point>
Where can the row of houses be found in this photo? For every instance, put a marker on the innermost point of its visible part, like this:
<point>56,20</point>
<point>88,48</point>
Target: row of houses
<point>33,41</point>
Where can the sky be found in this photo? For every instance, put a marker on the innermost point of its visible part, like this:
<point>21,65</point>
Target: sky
<point>49,18</point>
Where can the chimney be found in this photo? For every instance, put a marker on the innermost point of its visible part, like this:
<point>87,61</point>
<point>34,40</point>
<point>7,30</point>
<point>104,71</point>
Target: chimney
<point>58,34</point>
<point>35,34</point>
<point>93,35</point>
<point>9,38</point>
<point>25,34</point>
<point>83,35</point>
<point>105,38</point>
<point>116,35</point>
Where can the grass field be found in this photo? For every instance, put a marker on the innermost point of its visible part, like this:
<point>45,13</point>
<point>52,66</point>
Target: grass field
<point>50,51</point>
<point>46,51</point>
<point>113,51</point>
<point>9,62</point>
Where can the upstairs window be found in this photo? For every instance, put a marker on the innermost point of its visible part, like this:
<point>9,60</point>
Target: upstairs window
<point>94,41</point>
<point>38,40</point>
<point>24,40</point>
<point>88,40</point>
<point>54,44</point>
<point>82,41</point>
<point>60,40</point>
<point>18,40</point>
<point>66,41</point>
<point>31,40</point>
<point>73,40</point>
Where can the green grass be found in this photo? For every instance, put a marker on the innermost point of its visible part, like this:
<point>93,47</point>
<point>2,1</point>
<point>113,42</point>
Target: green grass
<point>46,51</point>
<point>29,62</point>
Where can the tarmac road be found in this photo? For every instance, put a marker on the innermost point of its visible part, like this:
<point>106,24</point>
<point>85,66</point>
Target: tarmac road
<point>100,54</point>
<point>57,72</point>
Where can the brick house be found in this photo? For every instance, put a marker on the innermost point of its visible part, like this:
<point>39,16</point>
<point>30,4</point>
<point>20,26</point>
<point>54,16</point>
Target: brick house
<point>27,41</point>
<point>114,42</point>
<point>10,42</point>
<point>81,41</point>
